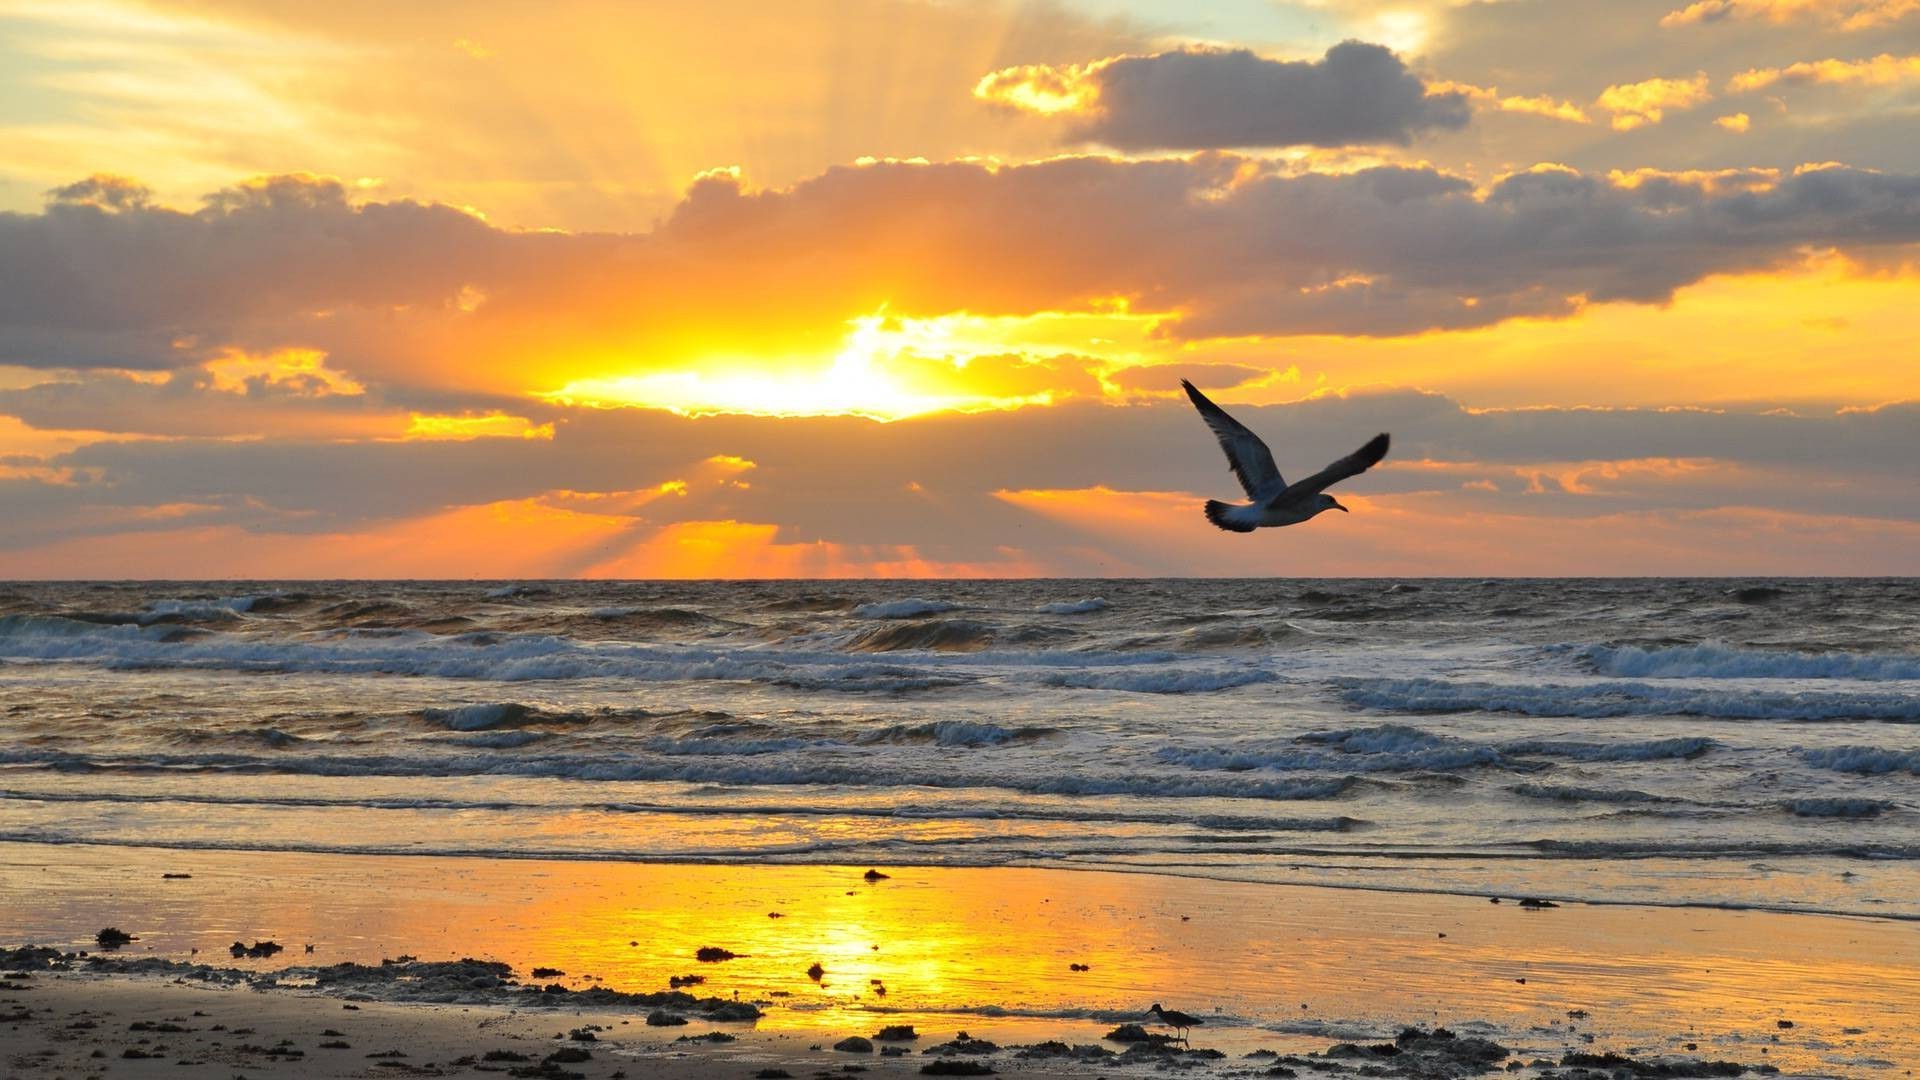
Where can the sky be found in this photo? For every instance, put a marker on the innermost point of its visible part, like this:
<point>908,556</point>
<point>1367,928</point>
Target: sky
<point>478,288</point>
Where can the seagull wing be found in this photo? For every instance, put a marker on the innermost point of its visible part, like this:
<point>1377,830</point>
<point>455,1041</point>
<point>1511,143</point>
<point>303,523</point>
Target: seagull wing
<point>1352,465</point>
<point>1248,457</point>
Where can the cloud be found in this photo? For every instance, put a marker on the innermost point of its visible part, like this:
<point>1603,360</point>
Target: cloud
<point>1882,70</point>
<point>556,128</point>
<point>1358,94</point>
<point>1490,97</point>
<point>1841,14</point>
<point>1738,123</point>
<point>639,492</point>
<point>421,298</point>
<point>1165,378</point>
<point>1648,101</point>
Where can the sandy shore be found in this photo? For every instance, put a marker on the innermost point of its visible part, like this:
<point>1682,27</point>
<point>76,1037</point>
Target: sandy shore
<point>1012,957</point>
<point>94,1020</point>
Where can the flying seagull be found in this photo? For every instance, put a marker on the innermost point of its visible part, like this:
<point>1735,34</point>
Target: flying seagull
<point>1271,500</point>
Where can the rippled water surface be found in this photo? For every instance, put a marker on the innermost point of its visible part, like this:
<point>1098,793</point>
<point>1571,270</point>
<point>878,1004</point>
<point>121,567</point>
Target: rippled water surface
<point>1696,742</point>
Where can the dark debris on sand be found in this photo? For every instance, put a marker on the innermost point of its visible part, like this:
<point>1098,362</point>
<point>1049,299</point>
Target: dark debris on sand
<point>442,982</point>
<point>1436,1053</point>
<point>952,1067</point>
<point>1609,1066</point>
<point>963,1044</point>
<point>1134,1033</point>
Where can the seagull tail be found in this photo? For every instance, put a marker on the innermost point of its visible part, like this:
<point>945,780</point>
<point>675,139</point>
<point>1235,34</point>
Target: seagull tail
<point>1223,517</point>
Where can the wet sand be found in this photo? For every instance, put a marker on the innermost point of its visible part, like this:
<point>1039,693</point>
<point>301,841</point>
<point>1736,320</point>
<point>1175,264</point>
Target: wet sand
<point>992,952</point>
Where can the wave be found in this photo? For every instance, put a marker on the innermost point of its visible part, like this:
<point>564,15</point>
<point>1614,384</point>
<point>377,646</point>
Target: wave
<point>1379,739</point>
<point>1720,849</point>
<point>845,770</point>
<point>1865,759</point>
<point>937,635</point>
<point>1647,750</point>
<point>1207,638</point>
<point>1158,682</point>
<point>265,736</point>
<point>1576,794</point>
<point>1711,661</point>
<point>1241,759</point>
<point>1609,699</point>
<point>754,809</point>
<point>494,715</point>
<point>225,608</point>
<point>1838,808</point>
<point>911,608</point>
<point>1076,607</point>
<point>954,733</point>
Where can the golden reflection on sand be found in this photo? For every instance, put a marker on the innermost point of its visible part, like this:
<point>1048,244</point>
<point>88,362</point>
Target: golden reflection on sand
<point>959,948</point>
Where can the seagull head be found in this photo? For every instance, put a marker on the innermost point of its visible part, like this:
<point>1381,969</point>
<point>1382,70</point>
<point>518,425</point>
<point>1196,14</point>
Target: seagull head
<point>1328,502</point>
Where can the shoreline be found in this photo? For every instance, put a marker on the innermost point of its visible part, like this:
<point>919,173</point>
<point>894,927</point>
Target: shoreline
<point>993,951</point>
<point>1570,898</point>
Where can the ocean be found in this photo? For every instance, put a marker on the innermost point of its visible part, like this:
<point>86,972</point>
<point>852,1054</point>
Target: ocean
<point>1721,743</point>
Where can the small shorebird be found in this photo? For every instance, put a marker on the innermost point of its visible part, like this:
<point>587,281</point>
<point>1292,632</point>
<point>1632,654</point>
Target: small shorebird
<point>1271,500</point>
<point>1180,1022</point>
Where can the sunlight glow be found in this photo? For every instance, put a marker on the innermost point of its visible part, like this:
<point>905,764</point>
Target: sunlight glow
<point>484,426</point>
<point>888,368</point>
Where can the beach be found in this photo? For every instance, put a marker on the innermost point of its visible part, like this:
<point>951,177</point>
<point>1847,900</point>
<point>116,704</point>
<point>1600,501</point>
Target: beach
<point>1668,820</point>
<point>986,951</point>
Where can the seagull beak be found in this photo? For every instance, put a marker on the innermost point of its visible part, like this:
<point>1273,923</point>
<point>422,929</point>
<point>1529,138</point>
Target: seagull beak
<point>1342,509</point>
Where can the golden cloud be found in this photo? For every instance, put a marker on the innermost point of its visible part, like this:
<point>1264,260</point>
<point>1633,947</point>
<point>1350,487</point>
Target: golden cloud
<point>1843,14</point>
<point>1647,101</point>
<point>1883,70</point>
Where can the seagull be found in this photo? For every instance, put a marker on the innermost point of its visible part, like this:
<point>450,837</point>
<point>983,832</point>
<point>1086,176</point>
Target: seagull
<point>1271,500</point>
<point>1178,1021</point>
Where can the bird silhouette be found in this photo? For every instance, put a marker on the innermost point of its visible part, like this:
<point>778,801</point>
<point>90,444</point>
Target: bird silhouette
<point>1271,501</point>
<point>1180,1022</point>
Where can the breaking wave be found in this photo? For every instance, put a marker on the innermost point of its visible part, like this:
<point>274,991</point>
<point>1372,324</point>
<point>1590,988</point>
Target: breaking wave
<point>1870,760</point>
<point>911,608</point>
<point>1726,662</point>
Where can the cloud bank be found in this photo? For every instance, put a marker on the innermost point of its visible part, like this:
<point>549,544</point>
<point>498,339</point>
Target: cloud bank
<point>1358,94</point>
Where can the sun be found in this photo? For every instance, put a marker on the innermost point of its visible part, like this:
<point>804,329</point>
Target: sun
<point>887,368</point>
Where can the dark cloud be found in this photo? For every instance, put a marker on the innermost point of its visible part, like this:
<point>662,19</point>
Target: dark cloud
<point>1165,378</point>
<point>1358,94</point>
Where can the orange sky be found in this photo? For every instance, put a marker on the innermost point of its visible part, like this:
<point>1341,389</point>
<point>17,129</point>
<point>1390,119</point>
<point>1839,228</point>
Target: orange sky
<point>902,288</point>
